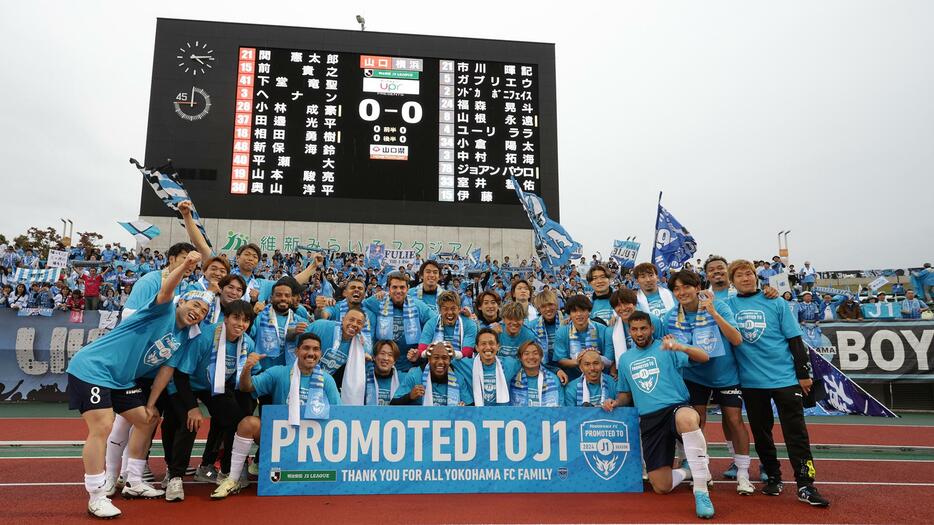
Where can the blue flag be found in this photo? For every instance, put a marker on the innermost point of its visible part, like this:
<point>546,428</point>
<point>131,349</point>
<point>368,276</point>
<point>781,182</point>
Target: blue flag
<point>374,255</point>
<point>625,252</point>
<point>474,259</point>
<point>28,276</point>
<point>164,181</point>
<point>141,230</point>
<point>842,393</point>
<point>552,242</point>
<point>674,245</point>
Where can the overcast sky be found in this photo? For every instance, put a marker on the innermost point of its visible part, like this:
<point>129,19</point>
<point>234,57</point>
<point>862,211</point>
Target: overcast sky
<point>752,117</point>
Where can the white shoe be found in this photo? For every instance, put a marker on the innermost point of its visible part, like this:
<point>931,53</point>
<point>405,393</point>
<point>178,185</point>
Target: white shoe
<point>120,483</point>
<point>744,487</point>
<point>110,486</point>
<point>141,490</point>
<point>103,508</point>
<point>227,487</point>
<point>175,491</point>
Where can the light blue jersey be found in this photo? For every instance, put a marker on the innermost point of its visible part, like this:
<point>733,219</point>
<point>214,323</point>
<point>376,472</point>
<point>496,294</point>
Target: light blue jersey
<point>596,336</point>
<point>602,309</point>
<point>764,357</point>
<point>198,363</point>
<point>510,368</point>
<point>429,298</point>
<point>276,380</point>
<point>653,377</point>
<point>573,392</point>
<point>373,307</point>
<point>509,344</point>
<point>136,347</point>
<point>439,391</point>
<point>718,372</point>
<point>147,288</point>
<point>461,335</point>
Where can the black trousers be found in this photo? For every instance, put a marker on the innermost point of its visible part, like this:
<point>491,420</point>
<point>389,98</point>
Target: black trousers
<point>790,404</point>
<point>217,442</point>
<point>225,415</point>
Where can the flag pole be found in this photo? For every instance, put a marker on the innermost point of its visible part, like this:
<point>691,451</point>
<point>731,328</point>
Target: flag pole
<point>655,236</point>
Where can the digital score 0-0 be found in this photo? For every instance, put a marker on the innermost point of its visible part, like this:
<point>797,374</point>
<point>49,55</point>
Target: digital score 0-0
<point>307,124</point>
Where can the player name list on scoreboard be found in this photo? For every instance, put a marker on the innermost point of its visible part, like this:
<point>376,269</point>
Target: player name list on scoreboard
<point>335,124</point>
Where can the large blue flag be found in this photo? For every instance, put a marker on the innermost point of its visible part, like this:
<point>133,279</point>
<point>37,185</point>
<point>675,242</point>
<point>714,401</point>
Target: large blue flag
<point>164,181</point>
<point>474,259</point>
<point>842,393</point>
<point>141,230</point>
<point>28,276</point>
<point>374,255</point>
<point>552,242</point>
<point>625,253</point>
<point>674,245</point>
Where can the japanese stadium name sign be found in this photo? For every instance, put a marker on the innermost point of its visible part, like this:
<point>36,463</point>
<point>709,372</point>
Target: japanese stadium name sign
<point>429,450</point>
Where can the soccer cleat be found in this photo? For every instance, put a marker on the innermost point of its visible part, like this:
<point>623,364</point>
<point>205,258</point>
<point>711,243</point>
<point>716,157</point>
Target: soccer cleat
<point>103,508</point>
<point>120,483</point>
<point>730,473</point>
<point>110,486</point>
<point>148,476</point>
<point>773,487</point>
<point>811,496</point>
<point>702,505</point>
<point>253,469</point>
<point>744,487</point>
<point>227,487</point>
<point>207,474</point>
<point>141,490</point>
<point>175,491</point>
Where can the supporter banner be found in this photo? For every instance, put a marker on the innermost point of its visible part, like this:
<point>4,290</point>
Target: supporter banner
<point>890,310</point>
<point>842,393</point>
<point>880,350</point>
<point>34,352</point>
<point>831,291</point>
<point>674,244</point>
<point>431,450</point>
<point>625,253</point>
<point>57,259</point>
<point>374,255</point>
<point>397,258</point>
<point>28,276</point>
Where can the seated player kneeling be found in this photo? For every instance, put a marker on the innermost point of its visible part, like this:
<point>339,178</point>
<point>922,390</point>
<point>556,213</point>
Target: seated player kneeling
<point>304,387</point>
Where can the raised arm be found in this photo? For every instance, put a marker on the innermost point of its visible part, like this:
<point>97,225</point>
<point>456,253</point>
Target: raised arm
<point>194,234</point>
<point>167,291</point>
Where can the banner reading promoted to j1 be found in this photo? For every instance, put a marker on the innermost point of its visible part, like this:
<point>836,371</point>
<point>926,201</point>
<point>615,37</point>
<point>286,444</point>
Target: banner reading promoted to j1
<point>430,450</point>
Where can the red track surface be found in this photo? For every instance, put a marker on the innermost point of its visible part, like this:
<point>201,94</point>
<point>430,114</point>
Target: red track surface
<point>851,504</point>
<point>68,429</point>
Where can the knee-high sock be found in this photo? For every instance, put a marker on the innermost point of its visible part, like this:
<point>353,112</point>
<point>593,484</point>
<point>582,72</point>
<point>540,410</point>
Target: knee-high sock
<point>94,484</point>
<point>742,466</point>
<point>116,445</point>
<point>695,449</point>
<point>241,449</point>
<point>134,473</point>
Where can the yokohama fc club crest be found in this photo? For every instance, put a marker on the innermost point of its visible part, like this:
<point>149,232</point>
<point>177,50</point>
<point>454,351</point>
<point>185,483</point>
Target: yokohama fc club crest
<point>751,324</point>
<point>605,445</point>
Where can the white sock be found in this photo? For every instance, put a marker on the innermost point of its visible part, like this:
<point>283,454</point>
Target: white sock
<point>134,471</point>
<point>729,446</point>
<point>695,449</point>
<point>116,445</point>
<point>125,461</point>
<point>94,484</point>
<point>742,465</point>
<point>677,476</point>
<point>238,454</point>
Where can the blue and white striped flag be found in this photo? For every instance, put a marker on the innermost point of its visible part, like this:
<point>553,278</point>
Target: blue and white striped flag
<point>474,259</point>
<point>164,181</point>
<point>552,242</point>
<point>674,244</point>
<point>28,276</point>
<point>142,230</point>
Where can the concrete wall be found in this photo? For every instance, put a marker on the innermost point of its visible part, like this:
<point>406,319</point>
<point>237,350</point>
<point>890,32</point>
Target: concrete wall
<point>227,235</point>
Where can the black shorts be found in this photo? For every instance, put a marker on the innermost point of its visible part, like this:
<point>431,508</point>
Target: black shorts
<point>728,396</point>
<point>659,434</point>
<point>84,396</point>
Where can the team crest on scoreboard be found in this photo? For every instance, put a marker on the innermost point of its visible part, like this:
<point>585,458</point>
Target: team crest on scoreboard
<point>751,324</point>
<point>645,373</point>
<point>605,445</point>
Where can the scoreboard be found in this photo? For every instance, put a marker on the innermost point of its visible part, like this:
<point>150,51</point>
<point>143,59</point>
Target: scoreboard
<point>286,123</point>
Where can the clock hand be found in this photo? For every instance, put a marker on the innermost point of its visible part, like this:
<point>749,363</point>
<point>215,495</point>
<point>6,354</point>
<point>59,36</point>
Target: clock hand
<point>198,59</point>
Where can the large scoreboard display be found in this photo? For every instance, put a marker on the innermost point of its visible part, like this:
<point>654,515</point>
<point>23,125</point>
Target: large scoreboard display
<point>288,123</point>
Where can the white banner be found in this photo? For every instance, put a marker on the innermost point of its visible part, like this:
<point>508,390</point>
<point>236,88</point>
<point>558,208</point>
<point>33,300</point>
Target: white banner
<point>57,259</point>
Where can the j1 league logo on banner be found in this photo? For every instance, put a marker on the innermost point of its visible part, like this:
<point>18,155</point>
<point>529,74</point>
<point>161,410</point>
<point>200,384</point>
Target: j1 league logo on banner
<point>605,444</point>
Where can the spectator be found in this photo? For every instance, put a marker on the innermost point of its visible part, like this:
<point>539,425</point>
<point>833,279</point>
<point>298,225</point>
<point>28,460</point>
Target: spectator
<point>808,276</point>
<point>898,289</point>
<point>19,299</point>
<point>764,272</point>
<point>5,294</point>
<point>912,307</point>
<point>92,282</point>
<point>111,301</point>
<point>30,261</point>
<point>75,301</point>
<point>777,265</point>
<point>849,310</point>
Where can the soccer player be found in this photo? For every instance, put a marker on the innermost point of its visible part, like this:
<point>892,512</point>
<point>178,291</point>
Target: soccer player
<point>593,388</point>
<point>534,385</point>
<point>438,384</point>
<point>489,372</point>
<point>151,284</point>
<point>382,379</point>
<point>701,321</point>
<point>521,292</point>
<point>650,378</point>
<point>398,317</point>
<point>580,334</point>
<point>514,332</point>
<point>546,325</point>
<point>652,299</point>
<point>716,267</point>
<point>345,347</point>
<point>451,326</point>
<point>486,306</point>
<point>427,291</point>
<point>105,377</point>
<point>208,373</point>
<point>599,278</point>
<point>276,327</point>
<point>304,386</point>
<point>773,366</point>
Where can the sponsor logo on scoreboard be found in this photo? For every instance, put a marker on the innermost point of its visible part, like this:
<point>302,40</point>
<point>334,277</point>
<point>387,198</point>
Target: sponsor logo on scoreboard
<point>387,152</point>
<point>389,73</point>
<point>390,86</point>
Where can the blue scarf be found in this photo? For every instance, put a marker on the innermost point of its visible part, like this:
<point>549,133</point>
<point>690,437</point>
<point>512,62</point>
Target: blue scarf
<point>343,308</point>
<point>704,333</point>
<point>220,333</point>
<point>583,389</point>
<point>590,339</point>
<point>454,391</point>
<point>271,338</point>
<point>374,395</point>
<point>548,394</point>
<point>541,334</point>
<point>458,339</point>
<point>317,405</point>
<point>413,328</point>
